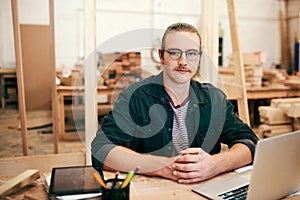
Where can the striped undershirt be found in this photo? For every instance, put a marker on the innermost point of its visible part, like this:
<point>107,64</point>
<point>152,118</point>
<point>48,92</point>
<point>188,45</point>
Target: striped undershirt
<point>179,132</point>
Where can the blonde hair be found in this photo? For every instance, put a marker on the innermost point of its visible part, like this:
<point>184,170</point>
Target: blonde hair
<point>180,27</point>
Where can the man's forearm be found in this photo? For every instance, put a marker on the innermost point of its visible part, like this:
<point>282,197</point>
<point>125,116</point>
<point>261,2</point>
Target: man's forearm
<point>124,159</point>
<point>237,156</point>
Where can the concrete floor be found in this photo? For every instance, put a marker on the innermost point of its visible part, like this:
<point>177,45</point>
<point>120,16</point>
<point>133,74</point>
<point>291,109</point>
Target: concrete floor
<point>40,140</point>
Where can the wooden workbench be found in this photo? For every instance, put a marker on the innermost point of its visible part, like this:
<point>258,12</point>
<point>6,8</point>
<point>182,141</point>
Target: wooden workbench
<point>141,188</point>
<point>272,92</point>
<point>72,91</point>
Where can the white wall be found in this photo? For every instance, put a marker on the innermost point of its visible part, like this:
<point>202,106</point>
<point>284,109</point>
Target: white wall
<point>258,23</point>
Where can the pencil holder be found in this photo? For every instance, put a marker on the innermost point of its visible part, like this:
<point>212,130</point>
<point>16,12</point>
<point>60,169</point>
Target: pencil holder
<point>114,191</point>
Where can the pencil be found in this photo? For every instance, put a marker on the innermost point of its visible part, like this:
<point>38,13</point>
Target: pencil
<point>100,180</point>
<point>129,177</point>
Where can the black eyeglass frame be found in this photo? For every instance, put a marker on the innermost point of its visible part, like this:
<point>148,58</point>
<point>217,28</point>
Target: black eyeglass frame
<point>169,51</point>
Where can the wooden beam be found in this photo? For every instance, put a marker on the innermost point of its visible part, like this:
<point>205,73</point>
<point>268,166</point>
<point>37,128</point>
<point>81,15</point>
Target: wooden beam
<point>233,91</point>
<point>238,61</point>
<point>20,76</point>
<point>19,182</point>
<point>53,88</point>
<point>91,122</point>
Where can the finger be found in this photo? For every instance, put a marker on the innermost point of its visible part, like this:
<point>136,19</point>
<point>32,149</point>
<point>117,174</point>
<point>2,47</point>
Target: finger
<point>185,167</point>
<point>192,151</point>
<point>187,158</point>
<point>190,158</point>
<point>185,175</point>
<point>192,180</point>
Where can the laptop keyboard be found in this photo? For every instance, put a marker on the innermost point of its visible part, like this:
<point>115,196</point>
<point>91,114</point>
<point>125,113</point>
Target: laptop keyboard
<point>236,194</point>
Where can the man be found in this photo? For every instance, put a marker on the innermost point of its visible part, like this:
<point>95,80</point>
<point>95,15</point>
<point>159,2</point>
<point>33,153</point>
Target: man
<point>172,126</point>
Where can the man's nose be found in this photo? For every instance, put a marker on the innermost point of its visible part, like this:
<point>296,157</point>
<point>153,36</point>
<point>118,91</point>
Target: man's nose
<point>183,59</point>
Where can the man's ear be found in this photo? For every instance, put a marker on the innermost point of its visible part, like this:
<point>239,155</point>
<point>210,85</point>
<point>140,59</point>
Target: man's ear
<point>161,55</point>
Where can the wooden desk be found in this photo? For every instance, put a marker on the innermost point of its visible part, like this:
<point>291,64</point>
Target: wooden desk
<point>141,188</point>
<point>147,188</point>
<point>272,92</point>
<point>72,91</point>
<point>260,93</point>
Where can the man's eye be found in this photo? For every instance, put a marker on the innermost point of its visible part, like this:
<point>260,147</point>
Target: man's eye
<point>192,53</point>
<point>174,52</point>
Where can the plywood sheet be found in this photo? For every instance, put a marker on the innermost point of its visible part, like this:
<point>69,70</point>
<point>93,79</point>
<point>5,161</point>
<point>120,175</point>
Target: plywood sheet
<point>35,41</point>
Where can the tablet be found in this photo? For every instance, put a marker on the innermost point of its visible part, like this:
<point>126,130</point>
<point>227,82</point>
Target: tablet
<point>73,180</point>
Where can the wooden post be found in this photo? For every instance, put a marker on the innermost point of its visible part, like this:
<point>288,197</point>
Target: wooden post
<point>91,122</point>
<point>238,62</point>
<point>20,77</point>
<point>53,88</point>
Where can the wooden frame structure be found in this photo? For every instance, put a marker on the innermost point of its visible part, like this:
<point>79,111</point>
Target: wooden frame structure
<point>20,74</point>
<point>239,90</point>
<point>209,33</point>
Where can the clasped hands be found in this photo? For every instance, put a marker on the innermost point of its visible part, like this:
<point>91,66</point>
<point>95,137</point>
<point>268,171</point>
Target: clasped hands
<point>193,165</point>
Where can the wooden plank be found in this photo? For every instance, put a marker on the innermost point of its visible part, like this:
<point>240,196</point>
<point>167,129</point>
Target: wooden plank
<point>91,122</point>
<point>287,101</point>
<point>19,182</point>
<point>238,61</point>
<point>233,91</point>
<point>53,72</point>
<point>20,76</point>
<point>36,49</point>
<point>265,130</point>
<point>271,116</point>
<point>44,163</point>
<point>293,111</point>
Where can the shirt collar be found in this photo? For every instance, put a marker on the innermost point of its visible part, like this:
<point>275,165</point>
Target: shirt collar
<point>157,90</point>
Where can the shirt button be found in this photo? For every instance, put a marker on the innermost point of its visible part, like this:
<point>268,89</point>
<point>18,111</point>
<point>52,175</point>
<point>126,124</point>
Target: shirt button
<point>169,129</point>
<point>149,130</point>
<point>195,105</point>
<point>169,148</point>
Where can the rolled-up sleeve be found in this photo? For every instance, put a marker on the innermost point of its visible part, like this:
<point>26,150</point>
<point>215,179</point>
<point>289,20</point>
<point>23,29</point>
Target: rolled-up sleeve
<point>236,131</point>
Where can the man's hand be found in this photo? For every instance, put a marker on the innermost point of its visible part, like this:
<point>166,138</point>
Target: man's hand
<point>194,165</point>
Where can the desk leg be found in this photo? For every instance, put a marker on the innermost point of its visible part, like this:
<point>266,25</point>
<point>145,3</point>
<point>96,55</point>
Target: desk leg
<point>2,92</point>
<point>61,116</point>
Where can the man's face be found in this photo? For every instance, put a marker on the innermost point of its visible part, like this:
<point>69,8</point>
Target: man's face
<point>183,69</point>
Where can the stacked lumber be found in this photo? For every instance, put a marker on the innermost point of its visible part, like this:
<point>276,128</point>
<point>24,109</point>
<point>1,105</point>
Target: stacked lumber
<point>274,77</point>
<point>123,70</point>
<point>253,68</point>
<point>70,77</point>
<point>282,116</point>
<point>293,81</point>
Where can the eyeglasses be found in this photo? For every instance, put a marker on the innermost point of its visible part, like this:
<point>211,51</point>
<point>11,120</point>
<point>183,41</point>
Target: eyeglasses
<point>176,54</point>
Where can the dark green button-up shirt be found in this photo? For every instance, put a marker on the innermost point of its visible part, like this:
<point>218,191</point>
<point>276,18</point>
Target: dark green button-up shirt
<point>142,120</point>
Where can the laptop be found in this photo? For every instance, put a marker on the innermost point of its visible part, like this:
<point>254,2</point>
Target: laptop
<point>275,173</point>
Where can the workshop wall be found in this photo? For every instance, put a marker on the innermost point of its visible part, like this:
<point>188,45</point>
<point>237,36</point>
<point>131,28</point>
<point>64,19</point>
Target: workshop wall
<point>258,23</point>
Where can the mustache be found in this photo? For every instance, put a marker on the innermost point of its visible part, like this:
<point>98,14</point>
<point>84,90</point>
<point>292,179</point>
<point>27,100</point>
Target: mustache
<point>180,68</point>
